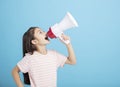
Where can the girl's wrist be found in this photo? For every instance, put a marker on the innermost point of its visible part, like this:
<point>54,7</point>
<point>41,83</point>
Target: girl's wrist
<point>69,44</point>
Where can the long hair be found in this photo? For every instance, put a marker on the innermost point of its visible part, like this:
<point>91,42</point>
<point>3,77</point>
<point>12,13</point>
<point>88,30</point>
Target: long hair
<point>28,47</point>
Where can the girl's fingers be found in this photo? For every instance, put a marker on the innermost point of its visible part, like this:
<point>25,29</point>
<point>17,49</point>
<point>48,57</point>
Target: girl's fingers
<point>65,37</point>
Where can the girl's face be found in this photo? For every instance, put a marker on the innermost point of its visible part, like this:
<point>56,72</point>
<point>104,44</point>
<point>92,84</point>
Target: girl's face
<point>40,37</point>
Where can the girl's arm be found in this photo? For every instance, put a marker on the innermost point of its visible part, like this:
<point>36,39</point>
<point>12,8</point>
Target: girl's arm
<point>16,76</point>
<point>71,55</point>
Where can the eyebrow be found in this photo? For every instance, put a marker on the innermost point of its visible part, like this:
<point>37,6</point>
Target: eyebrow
<point>39,31</point>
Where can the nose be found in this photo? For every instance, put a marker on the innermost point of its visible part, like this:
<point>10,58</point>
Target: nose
<point>45,33</point>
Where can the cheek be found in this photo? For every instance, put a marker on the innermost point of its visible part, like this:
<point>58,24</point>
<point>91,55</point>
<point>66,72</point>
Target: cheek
<point>41,38</point>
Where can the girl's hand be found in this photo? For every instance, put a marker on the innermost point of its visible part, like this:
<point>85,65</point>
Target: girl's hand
<point>65,38</point>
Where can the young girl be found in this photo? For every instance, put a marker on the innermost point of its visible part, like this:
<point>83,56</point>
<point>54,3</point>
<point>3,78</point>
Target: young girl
<point>38,64</point>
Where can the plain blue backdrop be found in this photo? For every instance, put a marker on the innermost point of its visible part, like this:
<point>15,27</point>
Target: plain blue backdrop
<point>96,41</point>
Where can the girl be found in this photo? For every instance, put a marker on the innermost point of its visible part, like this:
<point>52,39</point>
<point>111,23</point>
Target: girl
<point>38,64</point>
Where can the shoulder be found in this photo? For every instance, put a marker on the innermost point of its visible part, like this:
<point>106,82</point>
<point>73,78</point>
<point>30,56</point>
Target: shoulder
<point>51,51</point>
<point>27,57</point>
<point>54,52</point>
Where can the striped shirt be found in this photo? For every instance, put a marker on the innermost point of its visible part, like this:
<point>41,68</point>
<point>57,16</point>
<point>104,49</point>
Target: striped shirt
<point>42,69</point>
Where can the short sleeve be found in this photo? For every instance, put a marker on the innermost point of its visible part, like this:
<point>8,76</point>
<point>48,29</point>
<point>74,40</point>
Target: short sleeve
<point>24,64</point>
<point>60,59</point>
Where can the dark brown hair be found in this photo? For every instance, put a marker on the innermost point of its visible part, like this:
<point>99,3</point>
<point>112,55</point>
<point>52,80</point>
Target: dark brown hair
<point>28,47</point>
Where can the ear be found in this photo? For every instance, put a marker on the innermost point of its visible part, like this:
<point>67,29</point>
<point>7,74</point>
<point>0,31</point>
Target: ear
<point>34,41</point>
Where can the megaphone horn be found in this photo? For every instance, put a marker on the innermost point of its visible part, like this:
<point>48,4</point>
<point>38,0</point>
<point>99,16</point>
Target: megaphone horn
<point>68,22</point>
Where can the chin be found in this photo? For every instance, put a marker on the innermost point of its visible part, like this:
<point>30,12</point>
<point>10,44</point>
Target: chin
<point>47,42</point>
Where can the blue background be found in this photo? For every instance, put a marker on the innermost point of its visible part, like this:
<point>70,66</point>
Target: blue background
<point>96,41</point>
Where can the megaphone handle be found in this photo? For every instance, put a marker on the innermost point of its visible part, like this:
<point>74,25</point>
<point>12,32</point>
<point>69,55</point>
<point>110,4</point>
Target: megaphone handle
<point>65,41</point>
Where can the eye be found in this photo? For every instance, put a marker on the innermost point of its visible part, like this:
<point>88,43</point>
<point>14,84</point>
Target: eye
<point>40,32</point>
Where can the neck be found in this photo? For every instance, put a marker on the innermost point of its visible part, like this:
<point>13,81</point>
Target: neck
<point>42,50</point>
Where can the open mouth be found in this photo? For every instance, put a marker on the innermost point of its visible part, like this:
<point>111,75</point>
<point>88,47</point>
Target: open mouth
<point>46,38</point>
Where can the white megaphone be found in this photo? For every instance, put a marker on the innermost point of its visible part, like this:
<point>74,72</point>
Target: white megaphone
<point>56,30</point>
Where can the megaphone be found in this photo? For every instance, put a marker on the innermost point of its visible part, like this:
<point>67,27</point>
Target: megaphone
<point>56,30</point>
